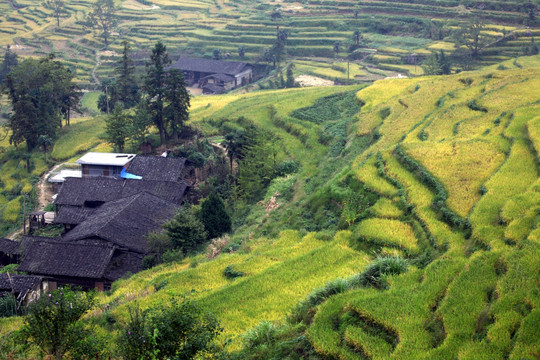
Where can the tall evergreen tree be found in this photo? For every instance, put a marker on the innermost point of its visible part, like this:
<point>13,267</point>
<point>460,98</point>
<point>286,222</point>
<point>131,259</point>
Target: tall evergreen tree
<point>176,110</point>
<point>154,86</point>
<point>214,216</point>
<point>9,63</point>
<point>126,88</point>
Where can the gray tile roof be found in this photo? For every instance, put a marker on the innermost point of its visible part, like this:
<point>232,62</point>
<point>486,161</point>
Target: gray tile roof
<point>78,191</point>
<point>59,258</point>
<point>9,247</point>
<point>157,168</point>
<point>126,222</point>
<point>19,283</point>
<point>211,66</point>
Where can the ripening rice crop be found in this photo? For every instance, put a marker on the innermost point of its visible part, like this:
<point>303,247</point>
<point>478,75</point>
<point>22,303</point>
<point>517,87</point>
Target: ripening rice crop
<point>388,232</point>
<point>462,167</point>
<point>367,173</point>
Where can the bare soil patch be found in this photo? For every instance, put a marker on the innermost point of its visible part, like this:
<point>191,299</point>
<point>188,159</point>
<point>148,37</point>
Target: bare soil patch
<point>308,80</point>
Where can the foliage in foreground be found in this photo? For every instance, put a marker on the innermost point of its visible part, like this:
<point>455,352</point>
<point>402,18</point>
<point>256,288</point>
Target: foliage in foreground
<point>179,330</point>
<point>53,322</point>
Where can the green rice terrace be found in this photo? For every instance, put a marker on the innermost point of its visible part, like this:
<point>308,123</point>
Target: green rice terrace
<point>410,229</point>
<point>395,35</point>
<point>401,215</point>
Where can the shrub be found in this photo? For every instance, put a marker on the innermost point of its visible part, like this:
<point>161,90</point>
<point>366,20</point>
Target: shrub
<point>375,273</point>
<point>52,322</point>
<point>287,167</point>
<point>186,231</point>
<point>178,330</point>
<point>214,217</point>
<point>384,112</point>
<point>230,273</point>
<point>8,305</point>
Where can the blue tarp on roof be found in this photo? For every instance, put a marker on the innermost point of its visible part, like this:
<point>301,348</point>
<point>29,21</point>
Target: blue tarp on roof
<point>125,175</point>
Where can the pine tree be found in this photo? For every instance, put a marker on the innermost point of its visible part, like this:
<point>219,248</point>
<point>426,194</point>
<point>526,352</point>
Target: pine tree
<point>9,63</point>
<point>154,86</point>
<point>126,88</point>
<point>214,217</point>
<point>176,110</point>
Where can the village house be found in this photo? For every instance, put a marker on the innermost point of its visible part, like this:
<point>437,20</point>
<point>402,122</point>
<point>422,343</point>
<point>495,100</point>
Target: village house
<point>104,164</point>
<point>107,213</point>
<point>87,266</point>
<point>24,288</point>
<point>215,76</point>
<point>9,252</point>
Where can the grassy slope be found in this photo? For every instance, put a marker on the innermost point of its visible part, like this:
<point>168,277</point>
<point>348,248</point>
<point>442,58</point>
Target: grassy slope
<point>476,299</point>
<point>467,292</point>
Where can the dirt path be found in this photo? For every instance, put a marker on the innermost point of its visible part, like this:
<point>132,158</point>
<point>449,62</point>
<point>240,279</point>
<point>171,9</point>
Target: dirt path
<point>45,193</point>
<point>98,62</point>
<point>44,198</point>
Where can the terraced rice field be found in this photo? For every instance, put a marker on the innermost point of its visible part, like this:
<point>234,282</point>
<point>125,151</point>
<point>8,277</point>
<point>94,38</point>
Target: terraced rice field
<point>198,27</point>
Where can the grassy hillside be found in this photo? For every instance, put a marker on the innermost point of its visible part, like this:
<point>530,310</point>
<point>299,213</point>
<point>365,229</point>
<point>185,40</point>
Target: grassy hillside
<point>441,171</point>
<point>393,30</point>
<point>451,166</point>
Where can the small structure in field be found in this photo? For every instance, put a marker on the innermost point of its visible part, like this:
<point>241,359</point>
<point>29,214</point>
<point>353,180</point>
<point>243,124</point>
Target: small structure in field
<point>104,164</point>
<point>225,75</point>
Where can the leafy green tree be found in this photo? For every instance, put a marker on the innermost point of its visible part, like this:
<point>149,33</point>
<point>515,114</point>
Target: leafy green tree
<point>186,231</point>
<point>52,322</point>
<point>58,7</point>
<point>470,35</point>
<point>234,143</point>
<point>437,64</point>
<point>126,88</point>
<point>118,128</point>
<point>9,63</point>
<point>214,217</point>
<point>357,37</point>
<point>103,18</point>
<point>337,48</point>
<point>216,54</point>
<point>141,123</point>
<point>45,142</point>
<point>154,86</point>
<point>39,90</point>
<point>178,330</point>
<point>176,110</point>
<point>241,52</point>
<point>290,83</point>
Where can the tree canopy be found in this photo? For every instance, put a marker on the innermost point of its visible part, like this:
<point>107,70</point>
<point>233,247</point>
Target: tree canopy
<point>102,18</point>
<point>40,91</point>
<point>168,99</point>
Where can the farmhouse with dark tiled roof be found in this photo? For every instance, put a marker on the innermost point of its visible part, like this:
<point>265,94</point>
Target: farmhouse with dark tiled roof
<point>223,74</point>
<point>79,264</point>
<point>125,222</point>
<point>9,252</point>
<point>157,168</point>
<point>107,219</point>
<point>23,287</point>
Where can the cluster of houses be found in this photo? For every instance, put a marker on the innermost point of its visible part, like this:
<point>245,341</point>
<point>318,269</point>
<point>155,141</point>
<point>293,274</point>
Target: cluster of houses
<point>107,209</point>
